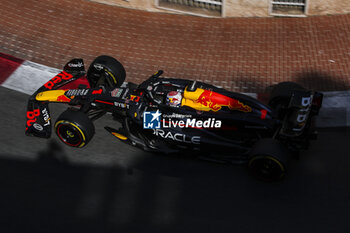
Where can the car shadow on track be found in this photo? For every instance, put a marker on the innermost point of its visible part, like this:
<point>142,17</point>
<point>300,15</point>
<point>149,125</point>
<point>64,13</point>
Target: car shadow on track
<point>174,194</point>
<point>323,80</point>
<point>53,195</point>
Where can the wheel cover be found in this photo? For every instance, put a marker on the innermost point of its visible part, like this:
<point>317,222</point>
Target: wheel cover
<point>70,134</point>
<point>267,168</point>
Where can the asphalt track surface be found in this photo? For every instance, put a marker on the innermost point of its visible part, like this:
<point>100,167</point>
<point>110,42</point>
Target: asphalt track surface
<point>112,187</point>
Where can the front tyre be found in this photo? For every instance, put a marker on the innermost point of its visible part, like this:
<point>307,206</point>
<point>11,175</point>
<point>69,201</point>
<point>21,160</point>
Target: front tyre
<point>106,71</point>
<point>268,160</point>
<point>74,128</point>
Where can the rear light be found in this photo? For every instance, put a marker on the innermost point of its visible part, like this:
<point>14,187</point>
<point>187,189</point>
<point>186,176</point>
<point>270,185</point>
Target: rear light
<point>316,103</point>
<point>317,100</point>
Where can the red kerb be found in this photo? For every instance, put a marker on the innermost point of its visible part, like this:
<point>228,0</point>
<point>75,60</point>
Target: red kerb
<point>8,64</point>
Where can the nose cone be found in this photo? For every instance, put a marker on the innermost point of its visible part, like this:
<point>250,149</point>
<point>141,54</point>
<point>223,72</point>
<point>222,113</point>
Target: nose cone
<point>52,96</point>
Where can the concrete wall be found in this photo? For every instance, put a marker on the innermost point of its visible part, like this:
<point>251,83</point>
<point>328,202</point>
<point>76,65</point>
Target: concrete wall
<point>324,7</point>
<point>148,5</point>
<point>244,8</point>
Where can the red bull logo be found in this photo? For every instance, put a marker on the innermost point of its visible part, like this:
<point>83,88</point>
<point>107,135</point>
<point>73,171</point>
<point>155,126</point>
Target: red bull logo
<point>206,100</point>
<point>216,101</point>
<point>134,98</point>
<point>63,98</point>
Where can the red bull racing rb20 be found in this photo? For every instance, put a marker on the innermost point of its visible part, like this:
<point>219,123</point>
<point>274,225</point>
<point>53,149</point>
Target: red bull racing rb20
<point>170,115</point>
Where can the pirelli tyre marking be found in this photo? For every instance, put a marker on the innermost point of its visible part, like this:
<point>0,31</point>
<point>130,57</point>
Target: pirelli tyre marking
<point>110,73</point>
<point>70,133</point>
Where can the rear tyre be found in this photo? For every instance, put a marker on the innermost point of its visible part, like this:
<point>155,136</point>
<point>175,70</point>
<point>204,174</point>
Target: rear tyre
<point>268,160</point>
<point>106,71</point>
<point>281,93</point>
<point>74,128</point>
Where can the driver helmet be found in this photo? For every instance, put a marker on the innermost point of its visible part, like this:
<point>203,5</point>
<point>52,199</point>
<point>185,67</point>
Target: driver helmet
<point>174,98</point>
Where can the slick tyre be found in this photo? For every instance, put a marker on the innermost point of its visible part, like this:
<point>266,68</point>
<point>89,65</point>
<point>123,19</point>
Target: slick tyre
<point>281,94</point>
<point>106,71</point>
<point>268,160</point>
<point>74,128</point>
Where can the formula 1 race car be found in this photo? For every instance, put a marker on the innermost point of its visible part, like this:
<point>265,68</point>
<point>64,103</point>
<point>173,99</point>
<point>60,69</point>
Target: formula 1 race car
<point>171,115</point>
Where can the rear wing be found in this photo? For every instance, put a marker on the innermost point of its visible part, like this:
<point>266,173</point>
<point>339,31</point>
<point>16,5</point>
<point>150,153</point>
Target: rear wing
<point>303,105</point>
<point>38,120</point>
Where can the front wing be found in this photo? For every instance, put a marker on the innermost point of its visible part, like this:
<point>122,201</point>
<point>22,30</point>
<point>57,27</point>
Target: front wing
<point>38,120</point>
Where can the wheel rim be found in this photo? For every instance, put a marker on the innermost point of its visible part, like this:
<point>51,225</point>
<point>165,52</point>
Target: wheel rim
<point>267,168</point>
<point>70,134</point>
